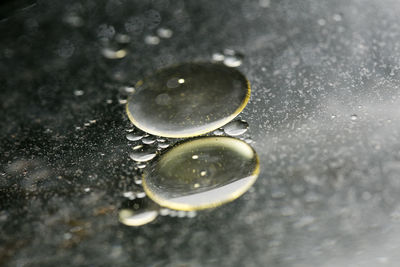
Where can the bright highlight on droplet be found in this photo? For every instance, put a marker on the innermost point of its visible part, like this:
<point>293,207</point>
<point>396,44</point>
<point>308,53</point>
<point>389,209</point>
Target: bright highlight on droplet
<point>224,169</point>
<point>209,96</point>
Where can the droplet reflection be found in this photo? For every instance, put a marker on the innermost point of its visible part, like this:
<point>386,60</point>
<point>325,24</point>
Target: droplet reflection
<point>201,173</point>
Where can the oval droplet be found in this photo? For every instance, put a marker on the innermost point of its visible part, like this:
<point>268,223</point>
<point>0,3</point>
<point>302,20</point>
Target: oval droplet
<point>188,99</point>
<point>235,128</point>
<point>143,154</point>
<point>232,61</point>
<point>113,54</point>
<point>134,137</point>
<point>132,218</point>
<point>148,140</point>
<point>163,145</point>
<point>223,169</point>
<point>353,117</point>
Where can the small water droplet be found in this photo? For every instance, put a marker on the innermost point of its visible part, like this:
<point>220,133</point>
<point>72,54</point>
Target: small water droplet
<point>181,214</point>
<point>140,194</point>
<point>232,61</point>
<point>122,101</point>
<point>113,54</point>
<point>67,236</point>
<point>137,218</point>
<point>195,157</point>
<point>236,127</point>
<point>248,140</point>
<point>333,116</point>
<point>203,173</point>
<point>144,154</point>
<point>87,189</point>
<point>137,147</point>
<point>163,145</point>
<point>137,180</point>
<point>173,213</point>
<point>353,117</point>
<point>129,194</point>
<point>218,57</point>
<point>219,132</point>
<point>134,137</point>
<point>129,89</point>
<point>141,166</point>
<point>164,33</point>
<point>152,40</point>
<point>191,214</point>
<point>78,92</point>
<point>149,140</point>
<point>164,212</point>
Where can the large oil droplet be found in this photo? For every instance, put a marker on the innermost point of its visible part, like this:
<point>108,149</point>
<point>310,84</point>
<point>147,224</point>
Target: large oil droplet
<point>201,173</point>
<point>188,99</point>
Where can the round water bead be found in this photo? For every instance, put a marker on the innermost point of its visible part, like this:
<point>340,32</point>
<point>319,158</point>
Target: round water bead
<point>188,99</point>
<point>201,173</point>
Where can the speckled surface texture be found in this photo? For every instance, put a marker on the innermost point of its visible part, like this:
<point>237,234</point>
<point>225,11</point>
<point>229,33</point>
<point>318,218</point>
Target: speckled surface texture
<point>324,116</point>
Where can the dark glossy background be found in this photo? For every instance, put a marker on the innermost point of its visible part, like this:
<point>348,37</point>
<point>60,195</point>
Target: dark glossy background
<point>329,189</point>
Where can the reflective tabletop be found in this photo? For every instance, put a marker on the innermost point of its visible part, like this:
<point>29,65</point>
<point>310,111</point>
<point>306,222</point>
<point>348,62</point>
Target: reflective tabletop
<point>323,118</point>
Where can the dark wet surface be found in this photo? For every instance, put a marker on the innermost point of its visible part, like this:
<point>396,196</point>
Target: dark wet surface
<point>324,115</point>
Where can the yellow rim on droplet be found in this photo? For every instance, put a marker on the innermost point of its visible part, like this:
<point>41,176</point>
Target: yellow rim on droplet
<point>217,124</point>
<point>187,207</point>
